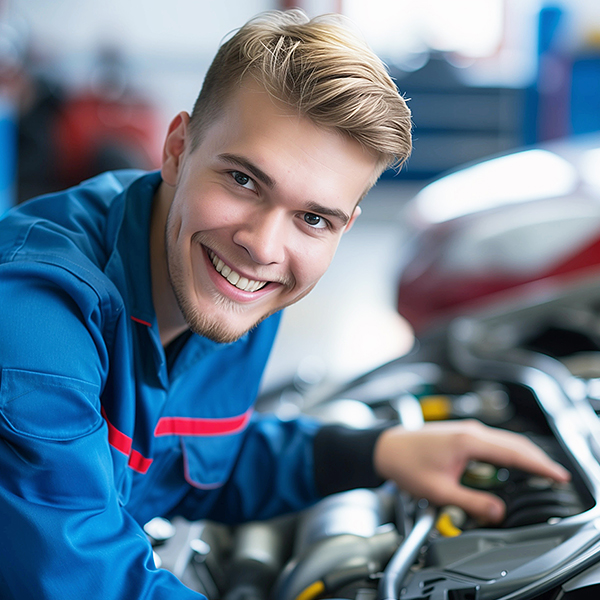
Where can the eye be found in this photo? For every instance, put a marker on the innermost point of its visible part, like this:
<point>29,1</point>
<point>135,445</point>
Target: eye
<point>315,221</point>
<point>243,180</point>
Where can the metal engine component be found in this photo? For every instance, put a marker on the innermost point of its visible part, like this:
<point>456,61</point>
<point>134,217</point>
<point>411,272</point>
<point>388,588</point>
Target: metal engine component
<point>343,558</point>
<point>346,537</point>
<point>360,513</point>
<point>259,552</point>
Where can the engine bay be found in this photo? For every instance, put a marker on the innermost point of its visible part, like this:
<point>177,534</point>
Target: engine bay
<point>542,381</point>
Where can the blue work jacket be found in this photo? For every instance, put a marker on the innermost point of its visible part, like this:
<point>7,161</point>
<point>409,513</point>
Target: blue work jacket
<point>98,433</point>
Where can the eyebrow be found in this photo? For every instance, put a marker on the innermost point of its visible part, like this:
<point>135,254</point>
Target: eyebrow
<point>244,163</point>
<point>330,212</point>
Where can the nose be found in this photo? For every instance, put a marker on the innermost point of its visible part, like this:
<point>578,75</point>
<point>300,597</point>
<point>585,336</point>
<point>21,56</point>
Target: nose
<point>263,235</point>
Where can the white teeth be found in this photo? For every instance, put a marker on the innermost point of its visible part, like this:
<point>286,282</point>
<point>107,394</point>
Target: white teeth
<point>233,277</point>
<point>242,283</point>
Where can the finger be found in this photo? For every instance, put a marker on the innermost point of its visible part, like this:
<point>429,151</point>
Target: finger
<point>483,506</point>
<point>513,450</point>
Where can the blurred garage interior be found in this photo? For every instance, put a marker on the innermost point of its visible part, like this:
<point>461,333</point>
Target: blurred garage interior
<point>87,86</point>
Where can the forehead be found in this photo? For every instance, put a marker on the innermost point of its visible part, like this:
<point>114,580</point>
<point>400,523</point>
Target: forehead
<point>289,147</point>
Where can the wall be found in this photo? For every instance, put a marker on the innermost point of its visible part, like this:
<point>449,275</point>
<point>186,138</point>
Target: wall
<point>168,45</point>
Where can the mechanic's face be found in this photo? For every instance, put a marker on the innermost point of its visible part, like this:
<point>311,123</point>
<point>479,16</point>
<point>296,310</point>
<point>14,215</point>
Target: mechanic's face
<point>258,211</point>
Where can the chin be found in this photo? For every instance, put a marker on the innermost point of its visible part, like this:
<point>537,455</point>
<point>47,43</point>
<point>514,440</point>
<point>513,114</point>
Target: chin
<point>221,328</point>
<point>216,332</point>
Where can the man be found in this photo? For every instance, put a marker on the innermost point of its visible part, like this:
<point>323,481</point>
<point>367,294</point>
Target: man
<point>139,309</point>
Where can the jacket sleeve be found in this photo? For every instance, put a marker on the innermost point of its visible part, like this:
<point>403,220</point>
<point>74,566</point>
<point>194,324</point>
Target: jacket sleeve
<point>285,466</point>
<point>273,473</point>
<point>65,534</point>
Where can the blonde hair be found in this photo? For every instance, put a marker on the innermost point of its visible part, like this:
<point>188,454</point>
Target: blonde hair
<point>319,67</point>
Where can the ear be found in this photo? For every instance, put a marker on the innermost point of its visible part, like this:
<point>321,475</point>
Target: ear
<point>174,148</point>
<point>353,218</point>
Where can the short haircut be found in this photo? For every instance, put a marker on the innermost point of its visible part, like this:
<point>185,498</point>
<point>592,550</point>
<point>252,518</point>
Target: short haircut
<point>319,67</point>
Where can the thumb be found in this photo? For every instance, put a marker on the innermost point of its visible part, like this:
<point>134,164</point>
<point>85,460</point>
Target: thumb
<point>483,506</point>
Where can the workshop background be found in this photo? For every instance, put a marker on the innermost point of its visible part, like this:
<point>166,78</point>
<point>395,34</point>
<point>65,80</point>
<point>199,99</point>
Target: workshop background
<point>87,86</point>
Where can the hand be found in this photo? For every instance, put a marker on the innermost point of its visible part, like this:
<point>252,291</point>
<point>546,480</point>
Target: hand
<point>429,462</point>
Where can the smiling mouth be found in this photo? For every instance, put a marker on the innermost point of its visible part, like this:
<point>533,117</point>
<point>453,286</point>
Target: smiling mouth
<point>242,283</point>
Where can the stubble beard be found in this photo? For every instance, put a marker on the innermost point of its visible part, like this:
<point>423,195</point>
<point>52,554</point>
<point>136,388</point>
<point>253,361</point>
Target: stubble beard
<point>215,328</point>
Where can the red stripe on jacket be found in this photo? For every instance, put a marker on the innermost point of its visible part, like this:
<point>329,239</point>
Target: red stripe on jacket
<point>202,427</point>
<point>174,426</point>
<point>123,443</point>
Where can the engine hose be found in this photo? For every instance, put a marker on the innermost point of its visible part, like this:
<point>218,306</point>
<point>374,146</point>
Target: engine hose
<point>405,556</point>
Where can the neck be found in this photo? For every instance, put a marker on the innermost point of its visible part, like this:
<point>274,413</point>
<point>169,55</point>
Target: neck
<point>170,320</point>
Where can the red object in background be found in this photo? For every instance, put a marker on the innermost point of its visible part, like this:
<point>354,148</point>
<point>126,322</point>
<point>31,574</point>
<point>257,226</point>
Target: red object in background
<point>433,297</point>
<point>94,134</point>
<point>528,233</point>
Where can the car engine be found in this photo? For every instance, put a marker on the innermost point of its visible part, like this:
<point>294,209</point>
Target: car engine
<point>383,545</point>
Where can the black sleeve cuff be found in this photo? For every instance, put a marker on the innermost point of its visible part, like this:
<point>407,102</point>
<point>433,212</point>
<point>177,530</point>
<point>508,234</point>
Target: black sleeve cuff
<point>343,459</point>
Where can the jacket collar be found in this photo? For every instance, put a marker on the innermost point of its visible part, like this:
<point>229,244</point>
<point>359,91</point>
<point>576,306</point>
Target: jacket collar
<point>133,248</point>
<point>133,245</point>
